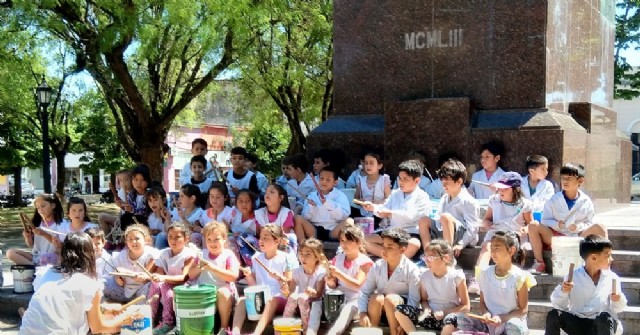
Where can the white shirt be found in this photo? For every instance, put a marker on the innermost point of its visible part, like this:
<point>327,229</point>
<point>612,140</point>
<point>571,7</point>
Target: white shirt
<point>305,187</point>
<point>374,194</point>
<point>508,217</point>
<point>403,281</point>
<point>224,216</point>
<point>466,210</point>
<point>587,299</point>
<point>280,263</point>
<point>195,215</point>
<point>203,185</point>
<point>226,260</point>
<point>435,189</point>
<point>239,226</point>
<point>407,209</point>
<point>241,183</point>
<point>442,292</point>
<point>328,215</point>
<point>104,266</point>
<point>351,270</point>
<point>41,245</point>
<point>65,228</point>
<point>556,209</point>
<point>501,293</point>
<point>173,265</point>
<point>304,280</point>
<point>544,192</point>
<point>60,305</point>
<point>263,182</point>
<point>480,191</point>
<point>155,222</point>
<point>185,173</point>
<point>122,260</point>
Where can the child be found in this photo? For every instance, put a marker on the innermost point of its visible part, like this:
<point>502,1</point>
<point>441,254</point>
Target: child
<point>218,267</point>
<point>348,271</point>
<point>323,214</point>
<point>393,280</point>
<point>244,226</point>
<point>508,211</point>
<point>283,179</point>
<point>251,163</point>
<point>103,258</point>
<point>189,213</point>
<point>78,218</point>
<point>172,269</point>
<point>374,187</point>
<point>218,199</point>
<point>300,184</point>
<point>67,299</point>
<point>458,211</point>
<point>589,304</point>
<point>277,213</point>
<point>307,286</point>
<point>424,180</point>
<point>275,277</point>
<point>135,204</point>
<point>443,292</point>
<point>407,208</point>
<point>333,158</point>
<point>44,246</point>
<point>504,291</point>
<point>490,155</point>
<point>136,253</point>
<point>239,177</point>
<point>108,221</point>
<point>567,213</point>
<point>198,164</point>
<point>159,219</point>
<point>535,186</point>
<point>199,147</point>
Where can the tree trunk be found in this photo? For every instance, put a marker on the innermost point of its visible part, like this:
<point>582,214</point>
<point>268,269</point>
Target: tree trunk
<point>17,186</point>
<point>151,155</point>
<point>95,183</point>
<point>298,142</point>
<point>60,171</point>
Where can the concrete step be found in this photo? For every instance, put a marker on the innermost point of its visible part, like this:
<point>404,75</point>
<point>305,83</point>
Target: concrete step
<point>538,312</point>
<point>625,263</point>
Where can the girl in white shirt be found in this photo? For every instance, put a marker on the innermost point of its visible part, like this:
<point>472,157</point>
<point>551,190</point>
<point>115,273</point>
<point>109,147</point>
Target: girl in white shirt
<point>504,291</point>
<point>218,205</point>
<point>189,213</point>
<point>44,246</point>
<point>374,187</point>
<point>67,300</point>
<point>219,267</point>
<point>244,227</point>
<point>79,220</point>
<point>347,273</point>
<point>307,286</point>
<point>275,277</point>
<point>159,219</point>
<point>443,292</point>
<point>172,269</point>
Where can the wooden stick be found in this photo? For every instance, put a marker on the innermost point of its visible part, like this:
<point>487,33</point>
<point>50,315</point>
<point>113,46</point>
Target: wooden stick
<point>25,222</point>
<point>325,262</point>
<point>123,274</point>
<point>154,297</point>
<point>315,183</point>
<point>135,220</point>
<point>133,302</point>
<point>428,173</point>
<point>481,183</point>
<point>359,202</point>
<point>476,316</point>
<point>144,269</point>
<point>570,276</point>
<point>51,231</point>
<point>614,286</point>
<point>250,245</point>
<point>298,191</point>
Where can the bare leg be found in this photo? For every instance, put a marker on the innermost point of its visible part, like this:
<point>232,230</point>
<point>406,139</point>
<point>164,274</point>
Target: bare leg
<point>405,322</point>
<point>375,308</point>
<point>224,304</point>
<point>390,303</point>
<point>424,225</point>
<point>412,248</point>
<point>267,316</point>
<point>239,316</point>
<point>335,233</point>
<point>448,330</point>
<point>373,245</point>
<point>447,221</point>
<point>539,234</point>
<point>20,257</point>
<point>598,229</point>
<point>303,228</point>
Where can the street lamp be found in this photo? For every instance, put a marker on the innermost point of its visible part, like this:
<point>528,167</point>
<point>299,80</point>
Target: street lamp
<point>43,97</point>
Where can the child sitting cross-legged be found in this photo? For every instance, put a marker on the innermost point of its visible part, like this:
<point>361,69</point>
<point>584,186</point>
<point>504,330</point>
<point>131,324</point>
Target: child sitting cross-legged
<point>393,280</point>
<point>589,304</point>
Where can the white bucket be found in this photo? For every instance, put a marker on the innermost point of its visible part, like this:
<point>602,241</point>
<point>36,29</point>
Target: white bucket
<point>366,331</point>
<point>423,333</point>
<point>256,298</point>
<point>565,250</point>
<point>23,276</point>
<point>366,223</point>
<point>142,326</point>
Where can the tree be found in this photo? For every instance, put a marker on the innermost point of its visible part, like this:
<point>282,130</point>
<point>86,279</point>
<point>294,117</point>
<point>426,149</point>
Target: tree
<point>149,58</point>
<point>268,139</point>
<point>290,60</point>
<point>626,79</point>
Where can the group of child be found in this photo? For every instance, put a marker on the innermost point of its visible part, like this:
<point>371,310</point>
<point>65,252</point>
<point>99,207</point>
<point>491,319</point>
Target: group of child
<point>279,246</point>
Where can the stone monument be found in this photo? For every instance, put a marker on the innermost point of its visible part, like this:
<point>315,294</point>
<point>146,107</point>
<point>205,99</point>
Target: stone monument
<point>449,75</point>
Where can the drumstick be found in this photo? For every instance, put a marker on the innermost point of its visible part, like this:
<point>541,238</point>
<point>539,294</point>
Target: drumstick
<point>133,302</point>
<point>326,264</point>
<point>476,316</point>
<point>481,183</point>
<point>359,202</point>
<point>112,187</point>
<point>570,276</point>
<point>250,245</point>
<point>428,174</point>
<point>315,183</point>
<point>154,297</point>
<point>298,191</point>
<point>51,231</point>
<point>122,274</point>
<point>135,220</point>
<point>144,269</point>
<point>24,222</point>
<point>614,286</point>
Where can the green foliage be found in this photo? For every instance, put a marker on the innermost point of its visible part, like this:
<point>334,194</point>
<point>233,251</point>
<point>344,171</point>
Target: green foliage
<point>626,79</point>
<point>268,138</point>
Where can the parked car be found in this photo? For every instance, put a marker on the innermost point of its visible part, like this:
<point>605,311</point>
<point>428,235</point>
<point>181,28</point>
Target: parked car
<point>635,186</point>
<point>27,188</point>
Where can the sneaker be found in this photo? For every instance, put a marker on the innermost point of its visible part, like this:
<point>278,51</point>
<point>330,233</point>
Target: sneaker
<point>538,267</point>
<point>162,329</point>
<point>473,287</point>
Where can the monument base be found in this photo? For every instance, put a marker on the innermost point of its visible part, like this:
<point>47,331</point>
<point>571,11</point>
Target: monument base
<point>587,135</point>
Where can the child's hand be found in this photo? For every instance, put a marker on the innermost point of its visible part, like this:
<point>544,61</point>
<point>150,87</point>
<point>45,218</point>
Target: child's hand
<point>332,281</point>
<point>567,287</point>
<point>35,231</point>
<point>457,249</point>
<point>495,320</point>
<point>573,227</point>
<point>119,280</point>
<point>368,205</point>
<point>615,297</point>
<point>141,278</point>
<point>128,208</point>
<point>425,314</point>
<point>384,213</point>
<point>119,202</point>
<point>364,320</point>
<point>439,315</point>
<point>157,278</point>
<point>246,271</point>
<point>487,317</point>
<point>164,213</point>
<point>310,292</point>
<point>561,224</point>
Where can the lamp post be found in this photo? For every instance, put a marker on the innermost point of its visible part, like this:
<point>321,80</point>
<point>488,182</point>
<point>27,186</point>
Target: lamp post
<point>43,97</point>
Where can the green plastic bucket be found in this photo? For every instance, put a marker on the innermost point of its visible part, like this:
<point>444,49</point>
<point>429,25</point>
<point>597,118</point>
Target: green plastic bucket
<point>195,309</point>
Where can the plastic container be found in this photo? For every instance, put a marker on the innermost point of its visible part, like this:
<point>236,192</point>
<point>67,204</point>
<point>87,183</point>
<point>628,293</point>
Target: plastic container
<point>142,326</point>
<point>287,326</point>
<point>195,309</point>
<point>23,276</point>
<point>256,298</point>
<point>565,250</point>
<point>366,223</point>
<point>366,331</point>
<point>537,216</point>
<point>332,304</point>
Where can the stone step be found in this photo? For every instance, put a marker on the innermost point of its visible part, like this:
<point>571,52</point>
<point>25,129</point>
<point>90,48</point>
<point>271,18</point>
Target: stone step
<point>538,312</point>
<point>625,263</point>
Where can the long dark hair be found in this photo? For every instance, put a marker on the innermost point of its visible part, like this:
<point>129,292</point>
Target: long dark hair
<point>78,201</point>
<point>77,255</point>
<point>58,211</point>
<point>510,239</point>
